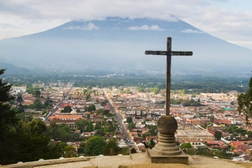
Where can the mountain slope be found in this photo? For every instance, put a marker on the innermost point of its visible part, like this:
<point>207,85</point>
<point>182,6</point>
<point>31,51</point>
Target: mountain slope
<point>119,44</point>
<point>12,69</point>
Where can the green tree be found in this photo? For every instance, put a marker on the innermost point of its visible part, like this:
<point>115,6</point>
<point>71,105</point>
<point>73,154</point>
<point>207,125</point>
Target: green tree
<point>128,91</point>
<point>87,92</point>
<point>81,125</point>
<point>245,102</point>
<point>185,145</point>
<point>104,103</point>
<point>48,102</point>
<point>90,126</point>
<point>155,90</point>
<point>111,148</point>
<point>105,112</point>
<point>94,146</point>
<point>37,105</point>
<point>217,135</point>
<point>7,114</point>
<point>74,136</point>
<point>27,141</point>
<point>81,149</point>
<point>88,97</point>
<point>204,125</point>
<point>66,109</point>
<point>131,126</point>
<point>61,148</point>
<point>152,130</point>
<point>25,116</point>
<point>59,132</point>
<point>20,108</point>
<point>32,141</point>
<point>8,123</point>
<point>19,98</point>
<point>91,107</point>
<point>129,120</point>
<point>37,94</point>
<point>140,89</point>
<point>69,151</point>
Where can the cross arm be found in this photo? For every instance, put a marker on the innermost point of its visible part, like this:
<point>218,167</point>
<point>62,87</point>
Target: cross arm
<point>148,52</point>
<point>184,53</point>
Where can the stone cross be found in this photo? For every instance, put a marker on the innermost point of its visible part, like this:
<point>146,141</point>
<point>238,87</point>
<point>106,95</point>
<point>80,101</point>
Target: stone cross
<point>168,54</point>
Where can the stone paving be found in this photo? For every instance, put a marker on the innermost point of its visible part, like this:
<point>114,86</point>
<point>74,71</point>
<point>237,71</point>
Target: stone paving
<point>103,162</point>
<point>138,160</point>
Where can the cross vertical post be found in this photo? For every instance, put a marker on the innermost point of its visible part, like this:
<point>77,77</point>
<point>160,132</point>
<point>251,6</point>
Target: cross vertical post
<point>168,76</point>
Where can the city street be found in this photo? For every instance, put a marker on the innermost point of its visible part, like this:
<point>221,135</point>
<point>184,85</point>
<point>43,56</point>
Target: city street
<point>127,137</point>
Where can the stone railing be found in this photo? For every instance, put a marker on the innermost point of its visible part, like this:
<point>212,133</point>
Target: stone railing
<point>42,162</point>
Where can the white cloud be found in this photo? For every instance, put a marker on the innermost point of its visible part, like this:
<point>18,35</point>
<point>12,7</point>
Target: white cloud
<point>191,31</point>
<point>90,26</point>
<point>145,27</point>
<point>230,20</point>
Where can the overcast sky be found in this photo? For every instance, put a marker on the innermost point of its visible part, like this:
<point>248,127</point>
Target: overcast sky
<point>230,20</point>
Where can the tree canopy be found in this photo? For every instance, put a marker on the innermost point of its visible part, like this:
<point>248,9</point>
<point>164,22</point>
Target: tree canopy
<point>95,146</point>
<point>8,122</point>
<point>21,140</point>
<point>217,135</point>
<point>90,108</point>
<point>66,109</point>
<point>111,148</point>
<point>7,114</point>
<point>245,102</point>
<point>185,145</point>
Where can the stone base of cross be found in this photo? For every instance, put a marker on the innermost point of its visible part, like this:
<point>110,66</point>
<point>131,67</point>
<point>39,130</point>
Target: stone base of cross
<point>167,126</point>
<point>166,151</point>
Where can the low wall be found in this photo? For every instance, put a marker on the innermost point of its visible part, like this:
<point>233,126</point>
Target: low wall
<point>42,162</point>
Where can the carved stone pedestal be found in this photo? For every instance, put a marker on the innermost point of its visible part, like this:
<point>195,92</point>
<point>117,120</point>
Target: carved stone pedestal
<point>154,157</point>
<point>166,151</point>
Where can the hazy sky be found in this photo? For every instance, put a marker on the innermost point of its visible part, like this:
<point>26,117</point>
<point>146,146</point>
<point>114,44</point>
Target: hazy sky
<point>230,20</point>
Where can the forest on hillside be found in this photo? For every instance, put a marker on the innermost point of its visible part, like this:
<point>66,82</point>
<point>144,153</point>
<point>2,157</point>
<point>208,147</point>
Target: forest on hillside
<point>189,83</point>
